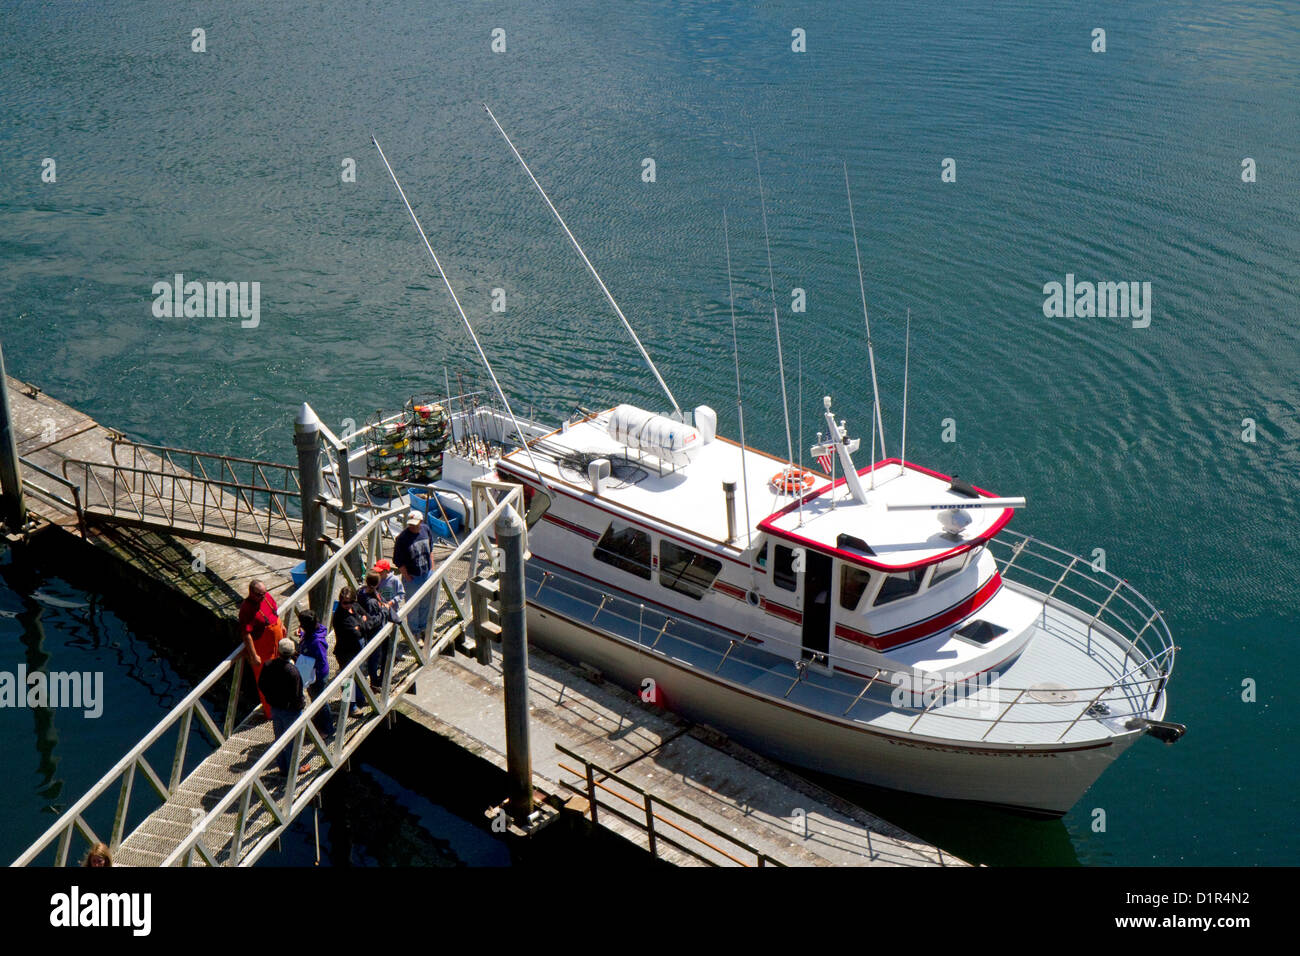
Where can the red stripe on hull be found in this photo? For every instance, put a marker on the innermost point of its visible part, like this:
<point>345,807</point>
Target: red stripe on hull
<point>570,526</point>
<point>923,629</point>
<point>783,612</point>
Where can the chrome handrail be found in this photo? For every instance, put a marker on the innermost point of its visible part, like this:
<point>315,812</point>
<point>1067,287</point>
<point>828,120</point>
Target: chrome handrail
<point>1153,665</point>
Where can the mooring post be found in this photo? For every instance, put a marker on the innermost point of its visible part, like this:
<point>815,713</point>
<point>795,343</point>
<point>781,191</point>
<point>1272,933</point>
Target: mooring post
<point>13,509</point>
<point>514,662</point>
<point>349,514</point>
<point>306,437</point>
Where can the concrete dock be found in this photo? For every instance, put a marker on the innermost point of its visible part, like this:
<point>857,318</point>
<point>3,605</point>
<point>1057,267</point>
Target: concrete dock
<point>49,433</point>
<point>692,766</point>
<point>764,806</point>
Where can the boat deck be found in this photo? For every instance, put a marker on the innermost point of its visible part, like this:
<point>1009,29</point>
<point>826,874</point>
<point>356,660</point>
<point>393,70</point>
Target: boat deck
<point>1041,698</point>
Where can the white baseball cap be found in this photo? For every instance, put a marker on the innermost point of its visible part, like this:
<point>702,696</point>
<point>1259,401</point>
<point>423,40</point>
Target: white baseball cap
<point>414,517</point>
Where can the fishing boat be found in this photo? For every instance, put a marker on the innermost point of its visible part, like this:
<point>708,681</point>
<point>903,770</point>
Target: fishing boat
<point>879,623</point>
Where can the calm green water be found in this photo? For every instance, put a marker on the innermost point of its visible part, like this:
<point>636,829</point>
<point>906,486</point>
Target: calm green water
<point>1122,166</point>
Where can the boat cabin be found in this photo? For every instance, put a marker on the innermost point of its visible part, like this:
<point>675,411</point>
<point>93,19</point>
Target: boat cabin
<point>850,574</point>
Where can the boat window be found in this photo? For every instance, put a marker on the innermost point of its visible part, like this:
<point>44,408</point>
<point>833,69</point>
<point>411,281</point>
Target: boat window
<point>947,568</point>
<point>536,503</point>
<point>853,581</point>
<point>783,573</point>
<point>626,548</point>
<point>901,585</point>
<point>686,571</point>
<point>538,506</point>
<point>761,559</point>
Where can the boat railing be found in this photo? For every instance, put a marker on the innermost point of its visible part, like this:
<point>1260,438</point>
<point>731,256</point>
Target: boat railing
<point>1088,588</point>
<point>989,705</point>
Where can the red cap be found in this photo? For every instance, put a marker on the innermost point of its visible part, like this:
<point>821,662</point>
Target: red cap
<point>383,565</point>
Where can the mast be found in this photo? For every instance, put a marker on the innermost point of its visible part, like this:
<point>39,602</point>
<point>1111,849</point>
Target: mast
<point>523,439</point>
<point>599,281</point>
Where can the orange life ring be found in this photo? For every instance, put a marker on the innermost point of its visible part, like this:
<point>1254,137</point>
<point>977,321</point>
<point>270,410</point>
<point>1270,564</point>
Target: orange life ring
<point>792,480</point>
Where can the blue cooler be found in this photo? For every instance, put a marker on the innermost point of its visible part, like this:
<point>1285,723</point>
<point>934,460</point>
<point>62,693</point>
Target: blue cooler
<point>425,503</point>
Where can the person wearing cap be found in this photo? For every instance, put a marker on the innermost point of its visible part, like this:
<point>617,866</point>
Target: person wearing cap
<point>413,556</point>
<point>281,685</point>
<point>390,585</point>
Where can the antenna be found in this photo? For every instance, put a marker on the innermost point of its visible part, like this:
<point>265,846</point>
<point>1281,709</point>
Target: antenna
<point>871,353</point>
<point>740,406</point>
<point>907,349</point>
<point>799,393</point>
<point>469,328</point>
<point>599,281</point>
<point>771,284</point>
<point>873,454</point>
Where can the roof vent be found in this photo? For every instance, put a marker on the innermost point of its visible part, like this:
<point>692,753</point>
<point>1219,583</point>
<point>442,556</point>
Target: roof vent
<point>598,474</point>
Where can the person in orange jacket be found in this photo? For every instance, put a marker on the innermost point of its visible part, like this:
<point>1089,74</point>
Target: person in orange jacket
<point>261,630</point>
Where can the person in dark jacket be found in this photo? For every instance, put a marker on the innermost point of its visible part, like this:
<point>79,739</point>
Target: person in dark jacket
<point>351,629</point>
<point>413,556</point>
<point>281,685</point>
<point>377,613</point>
<point>313,643</point>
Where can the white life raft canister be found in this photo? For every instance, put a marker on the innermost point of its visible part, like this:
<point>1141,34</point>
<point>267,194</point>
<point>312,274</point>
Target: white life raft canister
<point>671,441</point>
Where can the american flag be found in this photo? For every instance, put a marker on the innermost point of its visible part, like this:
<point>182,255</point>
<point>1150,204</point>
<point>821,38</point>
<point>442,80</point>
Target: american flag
<point>825,462</point>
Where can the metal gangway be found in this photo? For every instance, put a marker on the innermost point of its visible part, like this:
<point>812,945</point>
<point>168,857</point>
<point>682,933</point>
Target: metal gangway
<point>222,499</point>
<point>228,807</point>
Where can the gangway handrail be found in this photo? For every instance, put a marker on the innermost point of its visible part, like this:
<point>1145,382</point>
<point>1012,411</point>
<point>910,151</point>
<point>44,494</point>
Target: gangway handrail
<point>294,737</point>
<point>198,499</point>
<point>32,486</point>
<point>61,829</point>
<point>72,820</point>
<point>649,803</point>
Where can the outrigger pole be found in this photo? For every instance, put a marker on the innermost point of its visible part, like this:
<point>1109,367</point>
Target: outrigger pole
<point>771,284</point>
<point>871,354</point>
<point>599,281</point>
<point>523,439</point>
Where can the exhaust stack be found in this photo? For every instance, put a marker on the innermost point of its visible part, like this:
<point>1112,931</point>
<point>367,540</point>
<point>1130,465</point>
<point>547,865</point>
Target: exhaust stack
<point>729,489</point>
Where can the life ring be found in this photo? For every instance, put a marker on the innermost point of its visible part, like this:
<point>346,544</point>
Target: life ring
<point>791,481</point>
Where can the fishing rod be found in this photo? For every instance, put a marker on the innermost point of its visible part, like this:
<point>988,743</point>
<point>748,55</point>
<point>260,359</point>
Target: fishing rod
<point>771,284</point>
<point>871,354</point>
<point>596,275</point>
<point>464,318</point>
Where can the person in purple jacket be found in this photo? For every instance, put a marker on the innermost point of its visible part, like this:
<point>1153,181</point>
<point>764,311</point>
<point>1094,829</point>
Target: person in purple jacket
<point>313,643</point>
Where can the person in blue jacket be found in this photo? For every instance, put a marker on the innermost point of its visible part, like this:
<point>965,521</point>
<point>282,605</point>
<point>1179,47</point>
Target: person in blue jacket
<point>313,642</point>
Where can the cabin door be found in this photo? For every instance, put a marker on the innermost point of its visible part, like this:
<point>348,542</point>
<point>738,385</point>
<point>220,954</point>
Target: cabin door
<point>816,607</point>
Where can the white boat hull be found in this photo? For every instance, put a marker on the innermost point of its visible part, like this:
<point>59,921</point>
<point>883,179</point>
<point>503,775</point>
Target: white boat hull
<point>1039,779</point>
